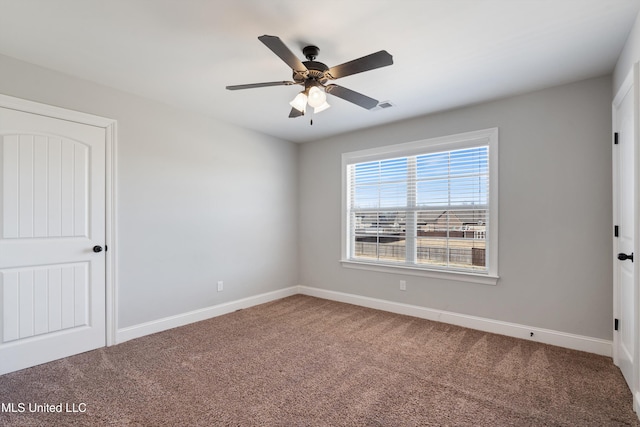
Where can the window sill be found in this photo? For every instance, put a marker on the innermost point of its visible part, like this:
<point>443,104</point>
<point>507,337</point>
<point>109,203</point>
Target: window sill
<point>459,276</point>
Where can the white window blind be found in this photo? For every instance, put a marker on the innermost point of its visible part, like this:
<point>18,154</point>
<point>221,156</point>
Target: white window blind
<point>430,209</point>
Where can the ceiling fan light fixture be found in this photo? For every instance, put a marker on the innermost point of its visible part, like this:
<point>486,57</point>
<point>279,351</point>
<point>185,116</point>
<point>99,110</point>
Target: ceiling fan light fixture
<point>317,97</point>
<point>299,102</point>
<point>314,75</point>
<point>321,108</point>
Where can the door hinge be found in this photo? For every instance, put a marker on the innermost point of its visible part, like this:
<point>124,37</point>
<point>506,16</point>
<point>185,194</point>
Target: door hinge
<point>615,324</point>
<point>615,231</point>
<point>106,248</point>
<point>615,138</point>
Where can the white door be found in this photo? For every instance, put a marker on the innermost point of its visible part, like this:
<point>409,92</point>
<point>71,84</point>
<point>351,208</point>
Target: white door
<point>625,209</point>
<point>52,214</point>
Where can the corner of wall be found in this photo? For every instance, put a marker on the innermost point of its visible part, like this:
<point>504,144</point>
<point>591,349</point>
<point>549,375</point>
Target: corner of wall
<point>629,54</point>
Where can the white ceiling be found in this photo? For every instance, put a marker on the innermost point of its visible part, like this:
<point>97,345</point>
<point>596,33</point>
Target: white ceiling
<point>447,53</point>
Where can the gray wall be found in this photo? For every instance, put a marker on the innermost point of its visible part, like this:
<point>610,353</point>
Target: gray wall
<point>555,230</point>
<point>201,201</point>
<point>198,200</point>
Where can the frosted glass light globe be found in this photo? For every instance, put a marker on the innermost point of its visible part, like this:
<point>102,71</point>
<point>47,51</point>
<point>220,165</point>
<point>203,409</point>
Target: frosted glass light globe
<point>299,102</point>
<point>317,97</point>
<point>323,107</point>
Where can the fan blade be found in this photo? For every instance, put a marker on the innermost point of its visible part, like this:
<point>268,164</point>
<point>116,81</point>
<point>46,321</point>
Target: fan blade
<point>295,113</point>
<point>275,44</point>
<point>351,96</point>
<point>366,63</point>
<point>254,85</point>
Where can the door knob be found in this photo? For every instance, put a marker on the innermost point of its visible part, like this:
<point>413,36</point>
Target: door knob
<point>624,257</point>
<point>97,248</point>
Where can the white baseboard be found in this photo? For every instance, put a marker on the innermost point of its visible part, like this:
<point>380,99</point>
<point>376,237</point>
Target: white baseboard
<point>561,339</point>
<point>547,336</point>
<point>136,331</point>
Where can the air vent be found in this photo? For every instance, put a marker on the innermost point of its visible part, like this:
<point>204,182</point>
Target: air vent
<point>383,105</point>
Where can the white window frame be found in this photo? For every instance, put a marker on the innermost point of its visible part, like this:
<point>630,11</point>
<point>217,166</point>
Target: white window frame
<point>486,137</point>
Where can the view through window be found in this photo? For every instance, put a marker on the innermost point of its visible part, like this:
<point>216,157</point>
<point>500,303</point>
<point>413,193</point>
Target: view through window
<point>425,210</point>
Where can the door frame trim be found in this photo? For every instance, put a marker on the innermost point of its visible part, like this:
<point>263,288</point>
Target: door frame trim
<point>631,83</point>
<point>110,126</point>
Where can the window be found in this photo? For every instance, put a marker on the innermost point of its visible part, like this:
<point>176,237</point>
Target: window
<point>429,207</point>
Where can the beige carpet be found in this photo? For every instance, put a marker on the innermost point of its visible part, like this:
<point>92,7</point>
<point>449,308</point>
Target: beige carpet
<point>304,361</point>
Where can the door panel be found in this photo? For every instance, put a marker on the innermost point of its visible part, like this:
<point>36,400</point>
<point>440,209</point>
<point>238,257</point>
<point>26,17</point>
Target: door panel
<point>45,182</point>
<point>44,299</point>
<point>52,207</point>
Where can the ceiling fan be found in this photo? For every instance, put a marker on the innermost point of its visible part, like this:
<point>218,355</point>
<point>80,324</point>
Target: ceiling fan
<point>314,75</point>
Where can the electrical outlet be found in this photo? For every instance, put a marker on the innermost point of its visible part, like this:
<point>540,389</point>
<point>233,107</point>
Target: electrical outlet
<point>220,285</point>
<point>403,285</point>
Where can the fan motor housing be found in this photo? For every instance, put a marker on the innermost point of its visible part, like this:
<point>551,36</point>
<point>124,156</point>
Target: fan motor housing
<point>316,72</point>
